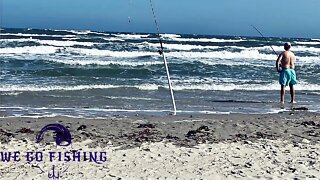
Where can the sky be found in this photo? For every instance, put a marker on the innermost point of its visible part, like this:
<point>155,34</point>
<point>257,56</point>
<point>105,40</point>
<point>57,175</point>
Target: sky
<point>275,18</point>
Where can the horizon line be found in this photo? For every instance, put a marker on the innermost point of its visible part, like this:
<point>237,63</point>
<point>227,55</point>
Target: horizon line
<point>131,32</point>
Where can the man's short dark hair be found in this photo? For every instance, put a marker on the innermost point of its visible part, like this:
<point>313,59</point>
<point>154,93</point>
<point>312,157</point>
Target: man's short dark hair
<point>287,46</point>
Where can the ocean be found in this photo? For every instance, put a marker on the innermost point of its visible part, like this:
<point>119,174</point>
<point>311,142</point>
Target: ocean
<point>89,74</point>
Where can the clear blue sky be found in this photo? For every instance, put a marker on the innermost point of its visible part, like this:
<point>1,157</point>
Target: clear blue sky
<point>284,18</point>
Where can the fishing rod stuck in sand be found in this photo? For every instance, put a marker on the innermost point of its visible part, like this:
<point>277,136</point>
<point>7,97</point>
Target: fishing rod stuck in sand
<point>161,52</point>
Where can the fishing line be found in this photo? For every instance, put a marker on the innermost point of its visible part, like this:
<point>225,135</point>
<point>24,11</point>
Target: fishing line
<point>265,40</point>
<point>130,11</point>
<point>157,26</point>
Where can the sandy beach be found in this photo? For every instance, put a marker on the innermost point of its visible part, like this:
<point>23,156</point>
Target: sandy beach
<point>265,146</point>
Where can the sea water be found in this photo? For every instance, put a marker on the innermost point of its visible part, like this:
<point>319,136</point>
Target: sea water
<point>46,73</point>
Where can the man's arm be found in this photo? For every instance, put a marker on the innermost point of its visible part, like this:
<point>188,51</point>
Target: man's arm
<point>277,63</point>
<point>293,60</point>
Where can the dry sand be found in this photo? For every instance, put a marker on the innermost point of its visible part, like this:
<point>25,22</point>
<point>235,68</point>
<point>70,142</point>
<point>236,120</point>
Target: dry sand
<point>270,146</point>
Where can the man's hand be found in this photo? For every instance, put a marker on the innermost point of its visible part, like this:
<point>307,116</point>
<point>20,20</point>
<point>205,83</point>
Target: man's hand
<point>278,70</point>
<point>277,63</point>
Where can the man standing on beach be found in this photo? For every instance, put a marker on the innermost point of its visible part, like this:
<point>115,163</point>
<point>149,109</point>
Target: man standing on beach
<point>287,74</point>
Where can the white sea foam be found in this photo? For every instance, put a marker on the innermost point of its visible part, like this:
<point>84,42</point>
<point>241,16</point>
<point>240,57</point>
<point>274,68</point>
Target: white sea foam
<point>306,49</point>
<point>70,38</point>
<point>177,87</point>
<point>279,48</point>
<point>104,62</point>
<point>80,32</point>
<point>185,47</point>
<point>307,43</point>
<point>149,87</point>
<point>156,45</point>
<point>22,88</point>
<point>51,42</point>
<point>53,88</point>
<point>243,55</point>
<point>18,40</point>
<point>215,40</point>
<point>247,87</point>
<point>65,43</point>
<point>108,53</point>
<point>98,113</point>
<point>113,39</point>
<point>200,47</point>
<point>131,36</point>
<point>212,80</point>
<point>170,36</point>
<point>131,98</point>
<point>29,50</point>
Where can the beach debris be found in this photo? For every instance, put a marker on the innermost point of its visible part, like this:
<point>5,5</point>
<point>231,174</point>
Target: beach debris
<point>300,109</point>
<point>241,136</point>
<point>312,133</point>
<point>5,133</point>
<point>261,135</point>
<point>191,133</point>
<point>147,134</point>
<point>82,127</point>
<point>199,135</point>
<point>248,165</point>
<point>25,130</point>
<point>146,149</point>
<point>309,123</point>
<point>172,137</point>
<point>147,125</point>
<point>203,128</point>
<point>292,169</point>
<point>85,134</point>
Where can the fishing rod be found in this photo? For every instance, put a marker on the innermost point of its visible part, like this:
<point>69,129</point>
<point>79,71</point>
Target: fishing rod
<point>161,52</point>
<point>265,40</point>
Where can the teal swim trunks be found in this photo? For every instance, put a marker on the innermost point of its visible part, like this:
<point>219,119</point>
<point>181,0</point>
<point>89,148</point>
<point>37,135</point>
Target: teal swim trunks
<point>287,77</point>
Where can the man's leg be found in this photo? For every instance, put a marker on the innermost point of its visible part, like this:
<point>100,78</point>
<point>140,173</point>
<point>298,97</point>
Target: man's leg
<point>292,93</point>
<point>282,93</point>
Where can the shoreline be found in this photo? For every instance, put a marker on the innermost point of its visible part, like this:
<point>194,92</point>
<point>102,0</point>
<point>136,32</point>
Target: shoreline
<point>183,130</point>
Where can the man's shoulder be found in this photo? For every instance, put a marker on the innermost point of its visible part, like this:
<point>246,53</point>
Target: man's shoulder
<point>284,53</point>
<point>292,54</point>
<point>288,53</point>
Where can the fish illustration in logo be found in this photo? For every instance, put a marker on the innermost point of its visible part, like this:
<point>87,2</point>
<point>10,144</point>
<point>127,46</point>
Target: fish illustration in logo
<point>63,136</point>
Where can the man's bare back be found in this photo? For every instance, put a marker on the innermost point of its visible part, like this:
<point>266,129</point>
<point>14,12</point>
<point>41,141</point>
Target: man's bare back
<point>287,60</point>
